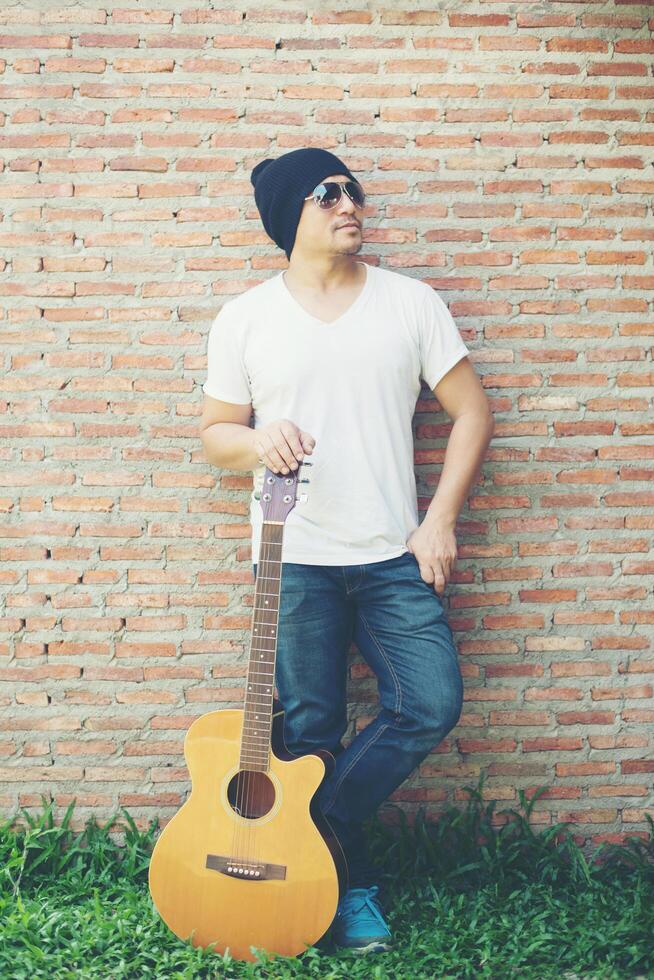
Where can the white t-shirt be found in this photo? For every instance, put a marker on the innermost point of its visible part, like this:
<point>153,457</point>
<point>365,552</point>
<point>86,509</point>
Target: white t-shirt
<point>353,385</point>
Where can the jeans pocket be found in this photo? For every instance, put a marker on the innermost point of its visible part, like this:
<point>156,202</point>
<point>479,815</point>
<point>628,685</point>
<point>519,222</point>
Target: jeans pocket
<point>429,585</point>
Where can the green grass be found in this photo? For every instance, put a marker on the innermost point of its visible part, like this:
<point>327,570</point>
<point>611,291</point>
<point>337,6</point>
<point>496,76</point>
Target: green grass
<point>465,898</point>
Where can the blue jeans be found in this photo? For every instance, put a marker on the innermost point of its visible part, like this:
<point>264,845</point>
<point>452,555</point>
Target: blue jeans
<point>399,625</point>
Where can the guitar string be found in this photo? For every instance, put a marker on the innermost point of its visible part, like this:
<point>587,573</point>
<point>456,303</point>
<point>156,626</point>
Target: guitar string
<point>278,591</point>
<point>243,847</point>
<point>241,774</point>
<point>254,750</point>
<point>279,569</point>
<point>238,842</point>
<point>251,836</point>
<point>246,836</point>
<point>277,560</point>
<point>252,779</point>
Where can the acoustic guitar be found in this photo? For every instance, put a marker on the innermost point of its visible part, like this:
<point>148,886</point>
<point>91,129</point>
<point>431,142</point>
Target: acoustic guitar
<point>249,861</point>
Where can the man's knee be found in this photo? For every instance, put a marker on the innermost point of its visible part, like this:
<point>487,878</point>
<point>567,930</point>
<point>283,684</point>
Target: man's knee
<point>432,720</point>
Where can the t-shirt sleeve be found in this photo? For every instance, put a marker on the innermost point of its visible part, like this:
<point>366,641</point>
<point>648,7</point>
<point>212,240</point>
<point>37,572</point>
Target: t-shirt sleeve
<point>226,374</point>
<point>440,342</point>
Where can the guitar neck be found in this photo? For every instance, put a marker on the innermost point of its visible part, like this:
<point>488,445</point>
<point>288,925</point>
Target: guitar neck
<point>260,684</point>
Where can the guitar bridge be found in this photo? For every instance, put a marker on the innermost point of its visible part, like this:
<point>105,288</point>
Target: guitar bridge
<point>247,870</point>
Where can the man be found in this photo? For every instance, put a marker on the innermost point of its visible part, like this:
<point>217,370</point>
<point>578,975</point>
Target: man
<point>329,354</point>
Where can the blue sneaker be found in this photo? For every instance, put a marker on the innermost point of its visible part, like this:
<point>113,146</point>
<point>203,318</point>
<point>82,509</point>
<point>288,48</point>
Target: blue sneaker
<point>359,924</point>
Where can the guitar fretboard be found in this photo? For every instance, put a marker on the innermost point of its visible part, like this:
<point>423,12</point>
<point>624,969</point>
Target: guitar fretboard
<point>260,683</point>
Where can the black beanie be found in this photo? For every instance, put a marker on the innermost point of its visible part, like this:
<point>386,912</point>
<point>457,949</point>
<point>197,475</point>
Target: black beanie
<point>281,185</point>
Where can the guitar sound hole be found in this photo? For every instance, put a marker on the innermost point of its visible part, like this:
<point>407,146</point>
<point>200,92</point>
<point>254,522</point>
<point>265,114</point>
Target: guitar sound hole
<point>251,794</point>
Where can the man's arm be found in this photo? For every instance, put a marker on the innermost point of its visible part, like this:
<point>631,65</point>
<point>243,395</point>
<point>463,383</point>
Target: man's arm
<point>433,543</point>
<point>461,395</point>
<point>226,436</point>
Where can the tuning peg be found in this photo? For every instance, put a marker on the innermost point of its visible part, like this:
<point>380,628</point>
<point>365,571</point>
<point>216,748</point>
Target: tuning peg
<point>302,498</point>
<point>306,462</point>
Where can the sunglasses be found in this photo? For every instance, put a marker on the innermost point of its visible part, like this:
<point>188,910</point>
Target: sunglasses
<point>328,195</point>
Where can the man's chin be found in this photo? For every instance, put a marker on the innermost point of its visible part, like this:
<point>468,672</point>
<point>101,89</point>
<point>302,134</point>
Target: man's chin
<point>353,249</point>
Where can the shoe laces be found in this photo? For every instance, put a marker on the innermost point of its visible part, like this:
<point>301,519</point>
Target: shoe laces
<point>357,900</point>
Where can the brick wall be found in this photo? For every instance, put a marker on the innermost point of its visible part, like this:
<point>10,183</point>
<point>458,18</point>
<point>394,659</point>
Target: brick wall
<point>507,153</point>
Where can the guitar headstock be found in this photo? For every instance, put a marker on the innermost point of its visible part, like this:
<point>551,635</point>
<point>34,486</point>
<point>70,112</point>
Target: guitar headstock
<point>278,494</point>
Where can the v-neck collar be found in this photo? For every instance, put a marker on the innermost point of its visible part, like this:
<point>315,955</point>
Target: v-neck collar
<point>352,308</point>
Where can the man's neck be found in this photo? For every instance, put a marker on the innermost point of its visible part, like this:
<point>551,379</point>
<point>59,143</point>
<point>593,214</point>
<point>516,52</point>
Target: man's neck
<point>328,276</point>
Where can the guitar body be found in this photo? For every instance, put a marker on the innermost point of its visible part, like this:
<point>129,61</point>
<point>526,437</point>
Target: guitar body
<point>249,859</point>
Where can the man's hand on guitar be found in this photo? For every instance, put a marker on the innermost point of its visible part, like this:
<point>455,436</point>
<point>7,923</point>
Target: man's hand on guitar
<point>281,445</point>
